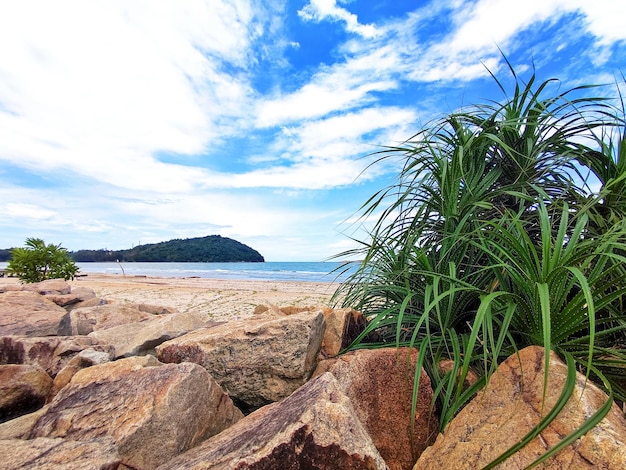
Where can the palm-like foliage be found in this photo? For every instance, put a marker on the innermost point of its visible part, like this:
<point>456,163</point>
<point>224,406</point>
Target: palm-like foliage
<point>491,240</point>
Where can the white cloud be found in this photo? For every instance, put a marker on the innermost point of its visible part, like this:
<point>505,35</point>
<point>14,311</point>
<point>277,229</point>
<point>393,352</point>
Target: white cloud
<point>96,86</point>
<point>320,10</point>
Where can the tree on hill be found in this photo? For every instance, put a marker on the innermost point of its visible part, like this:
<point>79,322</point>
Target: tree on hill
<point>209,249</point>
<point>38,261</point>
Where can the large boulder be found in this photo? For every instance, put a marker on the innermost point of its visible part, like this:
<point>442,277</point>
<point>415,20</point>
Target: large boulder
<point>379,383</point>
<point>29,314</point>
<point>52,353</point>
<point>142,337</point>
<point>257,360</point>
<point>512,404</point>
<point>84,320</point>
<point>315,427</point>
<point>23,389</point>
<point>49,286</point>
<point>152,412</point>
<point>43,453</point>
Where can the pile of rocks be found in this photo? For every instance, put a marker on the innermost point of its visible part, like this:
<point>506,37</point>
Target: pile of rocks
<point>90,384</point>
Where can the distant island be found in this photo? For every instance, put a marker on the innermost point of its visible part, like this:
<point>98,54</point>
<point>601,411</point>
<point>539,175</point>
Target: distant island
<point>209,249</point>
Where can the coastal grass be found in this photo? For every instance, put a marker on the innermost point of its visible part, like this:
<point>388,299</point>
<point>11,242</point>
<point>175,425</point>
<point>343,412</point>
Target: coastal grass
<point>505,228</point>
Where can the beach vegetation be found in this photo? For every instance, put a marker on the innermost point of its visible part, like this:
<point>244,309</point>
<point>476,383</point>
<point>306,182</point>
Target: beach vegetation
<point>38,261</point>
<point>505,228</point>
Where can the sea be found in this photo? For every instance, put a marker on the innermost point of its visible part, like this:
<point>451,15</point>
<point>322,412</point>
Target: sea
<point>305,271</point>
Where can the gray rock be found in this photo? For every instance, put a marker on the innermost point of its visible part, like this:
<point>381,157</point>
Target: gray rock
<point>258,360</point>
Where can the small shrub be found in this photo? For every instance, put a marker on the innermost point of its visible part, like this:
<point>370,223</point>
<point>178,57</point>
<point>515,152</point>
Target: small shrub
<point>37,262</point>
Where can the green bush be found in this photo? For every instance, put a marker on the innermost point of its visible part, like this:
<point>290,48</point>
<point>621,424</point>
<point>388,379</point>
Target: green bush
<point>505,228</point>
<point>38,261</point>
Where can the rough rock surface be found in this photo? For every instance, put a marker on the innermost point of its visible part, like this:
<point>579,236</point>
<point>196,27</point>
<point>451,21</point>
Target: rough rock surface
<point>86,358</point>
<point>29,314</point>
<point>23,389</point>
<point>343,325</point>
<point>257,360</point>
<point>142,337</point>
<point>21,427</point>
<point>152,413</point>
<point>316,427</point>
<point>53,454</point>
<point>52,353</point>
<point>49,286</point>
<point>379,383</point>
<point>77,295</point>
<point>84,320</point>
<point>512,404</point>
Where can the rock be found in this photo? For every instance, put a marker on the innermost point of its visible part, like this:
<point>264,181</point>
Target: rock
<point>343,325</point>
<point>49,286</point>
<point>83,359</point>
<point>51,353</point>
<point>9,288</point>
<point>29,314</point>
<point>141,338</point>
<point>258,360</point>
<point>87,319</point>
<point>379,383</point>
<point>155,309</point>
<point>151,412</point>
<point>50,454</point>
<point>93,302</point>
<point>80,294</point>
<point>23,389</point>
<point>22,426</point>
<point>314,428</point>
<point>511,405</point>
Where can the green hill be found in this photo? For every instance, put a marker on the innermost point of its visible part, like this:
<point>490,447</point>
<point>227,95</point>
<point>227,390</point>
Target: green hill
<point>210,249</point>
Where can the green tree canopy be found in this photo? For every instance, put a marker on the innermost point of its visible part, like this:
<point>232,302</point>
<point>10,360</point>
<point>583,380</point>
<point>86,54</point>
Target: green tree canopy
<point>37,262</point>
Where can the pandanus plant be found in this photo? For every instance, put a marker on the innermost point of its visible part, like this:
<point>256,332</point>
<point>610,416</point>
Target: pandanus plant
<point>506,227</point>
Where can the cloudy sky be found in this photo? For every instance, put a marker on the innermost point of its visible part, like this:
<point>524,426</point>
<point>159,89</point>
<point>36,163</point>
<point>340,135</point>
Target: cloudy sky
<point>132,122</point>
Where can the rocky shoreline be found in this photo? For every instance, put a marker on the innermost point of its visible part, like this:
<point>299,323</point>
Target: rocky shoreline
<point>99,373</point>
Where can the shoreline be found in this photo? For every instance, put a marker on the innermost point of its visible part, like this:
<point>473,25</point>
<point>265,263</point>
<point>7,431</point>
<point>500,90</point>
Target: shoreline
<point>219,299</point>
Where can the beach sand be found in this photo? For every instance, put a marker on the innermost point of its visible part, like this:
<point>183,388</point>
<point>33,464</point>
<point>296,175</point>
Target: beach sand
<point>218,299</point>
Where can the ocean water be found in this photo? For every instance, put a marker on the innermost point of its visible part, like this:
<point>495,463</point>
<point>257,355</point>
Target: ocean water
<point>269,271</point>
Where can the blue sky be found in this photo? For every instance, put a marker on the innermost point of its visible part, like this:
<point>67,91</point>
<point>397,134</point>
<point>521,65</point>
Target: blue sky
<point>128,122</point>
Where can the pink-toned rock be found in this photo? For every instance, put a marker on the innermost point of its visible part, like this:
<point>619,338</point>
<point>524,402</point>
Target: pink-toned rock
<point>52,353</point>
<point>29,314</point>
<point>314,428</point>
<point>142,337</point>
<point>51,454</point>
<point>152,413</point>
<point>93,302</point>
<point>155,309</point>
<point>49,286</point>
<point>379,383</point>
<point>23,389</point>
<point>80,294</point>
<point>512,404</point>
<point>22,426</point>
<point>258,360</point>
<point>87,319</point>
<point>86,358</point>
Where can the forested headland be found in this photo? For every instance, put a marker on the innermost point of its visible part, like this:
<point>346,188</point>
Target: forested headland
<point>209,249</point>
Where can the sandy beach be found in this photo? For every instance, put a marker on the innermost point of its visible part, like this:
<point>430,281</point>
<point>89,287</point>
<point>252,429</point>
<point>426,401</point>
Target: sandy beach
<point>219,299</point>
